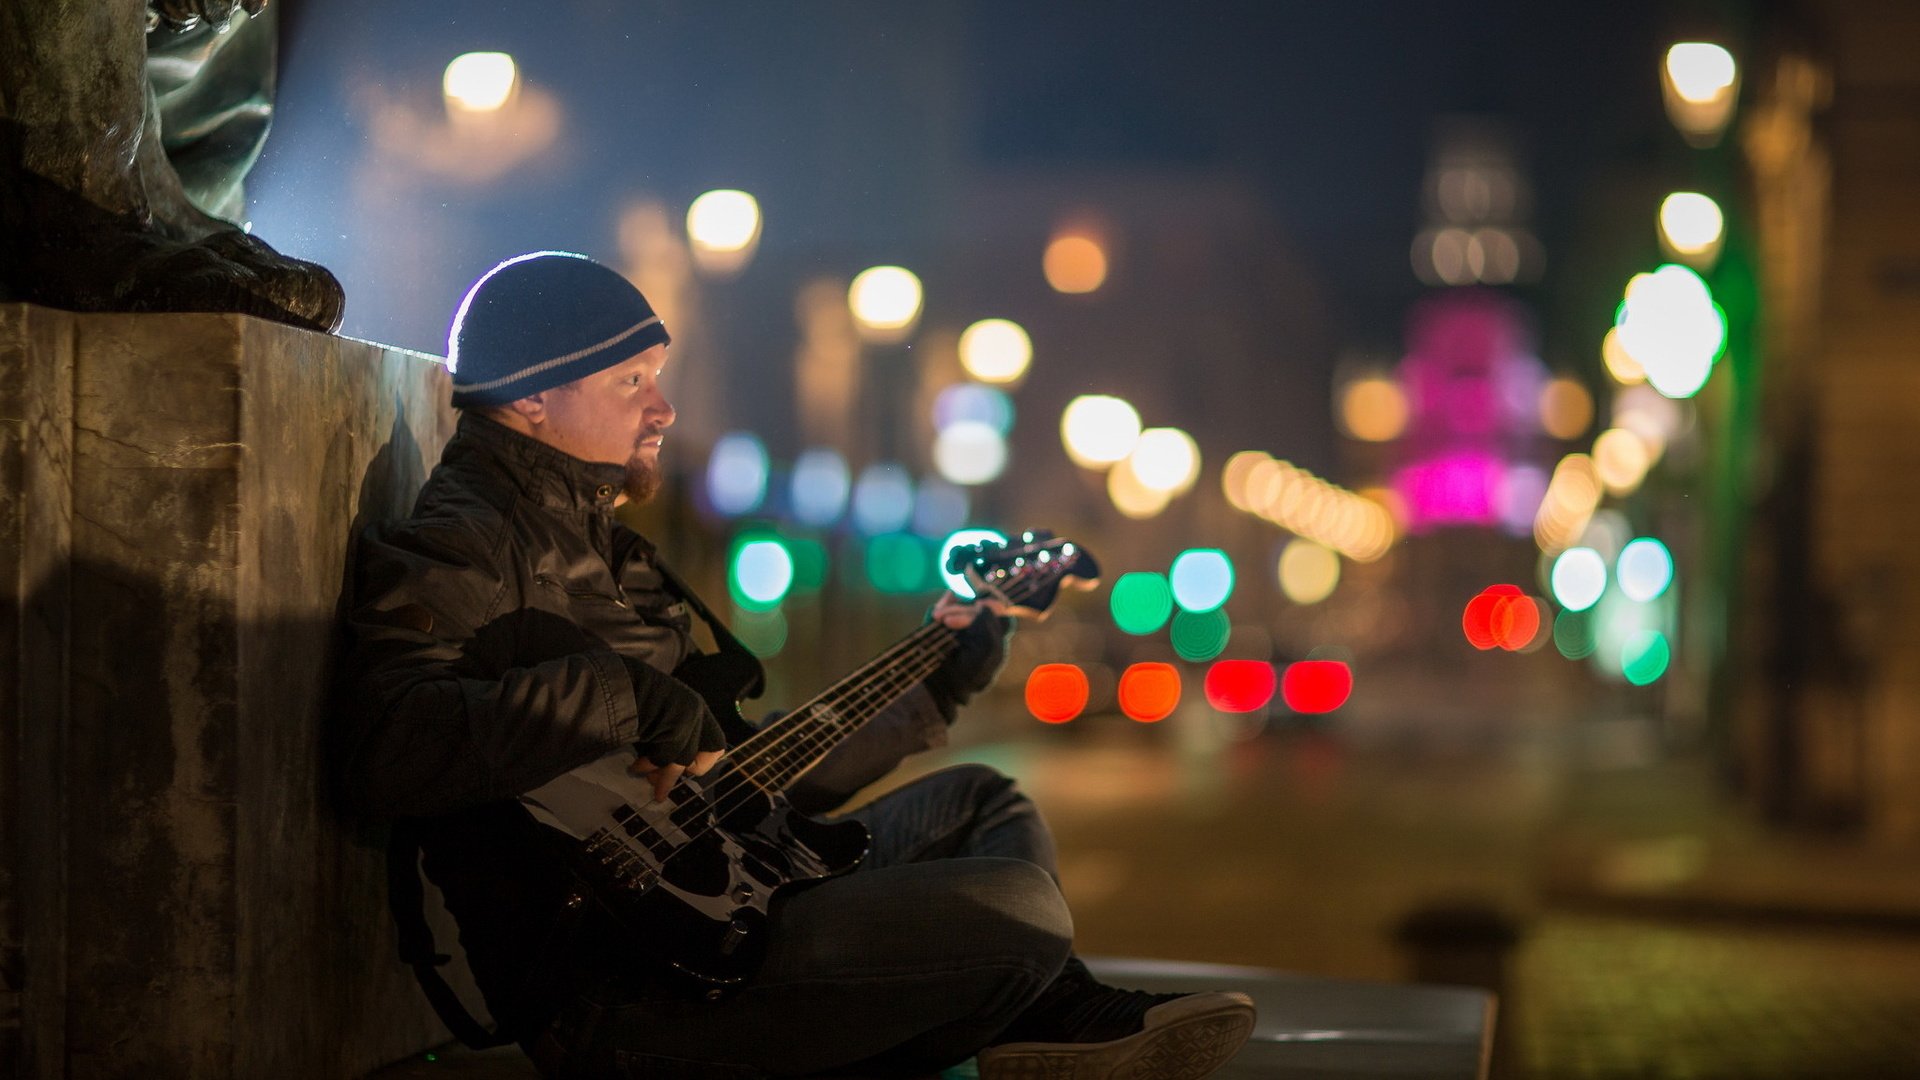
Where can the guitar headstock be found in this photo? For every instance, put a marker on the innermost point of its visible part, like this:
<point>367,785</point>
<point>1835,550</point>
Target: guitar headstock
<point>1027,573</point>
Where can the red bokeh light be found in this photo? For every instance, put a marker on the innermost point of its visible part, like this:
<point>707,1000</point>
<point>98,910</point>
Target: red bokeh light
<point>1316,686</point>
<point>1501,617</point>
<point>1240,686</point>
<point>1056,693</point>
<point>1149,692</point>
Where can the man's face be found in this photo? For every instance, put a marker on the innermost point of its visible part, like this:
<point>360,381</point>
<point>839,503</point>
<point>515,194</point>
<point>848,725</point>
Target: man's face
<point>615,415</point>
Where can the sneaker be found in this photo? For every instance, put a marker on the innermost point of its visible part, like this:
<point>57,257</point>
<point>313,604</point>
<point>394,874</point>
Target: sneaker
<point>1082,1029</point>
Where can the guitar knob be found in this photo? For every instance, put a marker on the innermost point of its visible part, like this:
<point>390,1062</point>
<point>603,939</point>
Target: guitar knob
<point>743,893</point>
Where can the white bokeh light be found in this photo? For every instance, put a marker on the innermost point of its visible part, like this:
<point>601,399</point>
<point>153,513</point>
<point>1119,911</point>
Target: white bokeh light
<point>1099,430</point>
<point>970,452</point>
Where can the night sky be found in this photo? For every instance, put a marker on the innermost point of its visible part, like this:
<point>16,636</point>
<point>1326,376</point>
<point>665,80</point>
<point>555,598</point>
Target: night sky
<point>843,117</point>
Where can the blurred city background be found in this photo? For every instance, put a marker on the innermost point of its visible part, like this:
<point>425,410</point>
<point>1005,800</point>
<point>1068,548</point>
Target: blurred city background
<point>1491,419</point>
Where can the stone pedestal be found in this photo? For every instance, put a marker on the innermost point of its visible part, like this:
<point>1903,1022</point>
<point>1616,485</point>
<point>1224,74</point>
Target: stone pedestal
<point>177,895</point>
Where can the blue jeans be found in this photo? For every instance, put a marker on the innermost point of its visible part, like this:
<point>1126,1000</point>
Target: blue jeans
<point>949,928</point>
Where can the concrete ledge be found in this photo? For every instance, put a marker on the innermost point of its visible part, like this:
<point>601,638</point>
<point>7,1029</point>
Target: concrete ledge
<point>1309,1028</point>
<point>176,498</point>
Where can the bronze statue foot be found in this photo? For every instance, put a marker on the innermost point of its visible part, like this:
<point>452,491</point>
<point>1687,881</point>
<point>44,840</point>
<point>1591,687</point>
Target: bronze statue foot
<point>74,255</point>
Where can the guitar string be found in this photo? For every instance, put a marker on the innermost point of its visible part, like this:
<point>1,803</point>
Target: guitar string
<point>884,672</point>
<point>855,683</point>
<point>857,694</point>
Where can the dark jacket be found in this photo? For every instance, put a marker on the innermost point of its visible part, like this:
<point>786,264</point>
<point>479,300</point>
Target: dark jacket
<point>485,641</point>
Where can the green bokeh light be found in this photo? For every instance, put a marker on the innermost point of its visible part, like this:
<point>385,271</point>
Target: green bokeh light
<point>899,563</point>
<point>759,570</point>
<point>810,563</point>
<point>1141,602</point>
<point>764,633</point>
<point>1574,634</point>
<point>1200,635</point>
<point>1645,657</point>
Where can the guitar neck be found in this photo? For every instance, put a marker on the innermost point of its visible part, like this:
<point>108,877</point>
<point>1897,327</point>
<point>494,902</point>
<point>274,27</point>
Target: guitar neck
<point>785,749</point>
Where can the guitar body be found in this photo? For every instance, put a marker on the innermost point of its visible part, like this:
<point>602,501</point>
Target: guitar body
<point>691,879</point>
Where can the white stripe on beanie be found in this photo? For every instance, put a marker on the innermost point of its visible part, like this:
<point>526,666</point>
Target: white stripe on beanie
<point>544,365</point>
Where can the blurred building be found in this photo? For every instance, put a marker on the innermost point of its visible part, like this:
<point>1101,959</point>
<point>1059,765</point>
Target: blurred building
<point>1824,678</point>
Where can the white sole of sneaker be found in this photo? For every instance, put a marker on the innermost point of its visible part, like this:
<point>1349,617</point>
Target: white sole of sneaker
<point>1183,1039</point>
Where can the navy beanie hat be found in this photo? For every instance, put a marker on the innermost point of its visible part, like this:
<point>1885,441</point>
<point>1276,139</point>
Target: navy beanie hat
<point>539,320</point>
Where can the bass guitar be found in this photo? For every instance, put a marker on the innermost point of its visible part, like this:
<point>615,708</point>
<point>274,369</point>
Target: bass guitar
<point>694,874</point>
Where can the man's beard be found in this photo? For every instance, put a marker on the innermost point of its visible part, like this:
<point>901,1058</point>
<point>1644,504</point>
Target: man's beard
<point>643,477</point>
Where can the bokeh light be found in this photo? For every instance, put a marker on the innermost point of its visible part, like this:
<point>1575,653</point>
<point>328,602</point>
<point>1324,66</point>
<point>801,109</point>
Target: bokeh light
<point>970,452</point>
<point>1141,602</point>
<point>1241,686</point>
<point>1644,657</point>
<point>995,350</point>
<point>899,563</point>
<point>1165,460</point>
<point>1056,693</point>
<point>882,499</point>
<point>972,401</point>
<point>820,486</point>
<point>1579,577</point>
<point>1200,635</point>
<point>1149,691</point>
<point>810,563</point>
<point>1566,409</point>
<point>479,81</point>
<point>1201,579</point>
<point>1670,325</point>
<point>1692,226</point>
<point>1644,569</point>
<point>1309,572</point>
<point>763,632</point>
<point>961,587</point>
<point>885,301</point>
<point>1700,70</point>
<point>939,507</point>
<point>723,228</point>
<point>1374,409</point>
<point>1075,263</point>
<point>1620,364</point>
<point>761,573</point>
<point>1575,634</point>
<point>1501,617</point>
<point>1620,460</point>
<point>1312,687</point>
<point>1132,497</point>
<point>1699,83</point>
<point>1099,430</point>
<point>737,473</point>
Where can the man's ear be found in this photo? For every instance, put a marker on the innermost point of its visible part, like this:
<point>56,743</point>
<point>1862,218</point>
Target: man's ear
<point>532,408</point>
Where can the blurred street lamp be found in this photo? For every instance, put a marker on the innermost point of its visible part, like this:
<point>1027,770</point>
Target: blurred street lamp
<point>1692,228</point>
<point>724,230</point>
<point>1075,263</point>
<point>1374,409</point>
<point>479,82</point>
<point>1099,430</point>
<point>1130,495</point>
<point>1699,83</point>
<point>995,351</point>
<point>885,301</point>
<point>1166,459</point>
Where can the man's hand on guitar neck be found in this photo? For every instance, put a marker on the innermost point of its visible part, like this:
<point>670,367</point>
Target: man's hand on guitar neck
<point>980,653</point>
<point>959,614</point>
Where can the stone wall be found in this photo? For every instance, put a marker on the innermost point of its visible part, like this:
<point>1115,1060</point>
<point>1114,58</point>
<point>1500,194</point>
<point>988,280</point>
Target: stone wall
<point>177,895</point>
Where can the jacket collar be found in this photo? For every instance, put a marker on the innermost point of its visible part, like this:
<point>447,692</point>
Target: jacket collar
<point>548,476</point>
